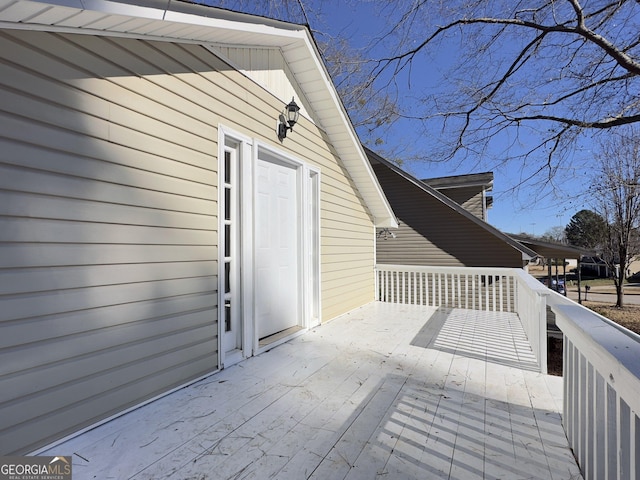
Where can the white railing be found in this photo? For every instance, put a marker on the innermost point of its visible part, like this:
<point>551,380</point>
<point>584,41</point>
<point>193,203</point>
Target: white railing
<point>532,309</point>
<point>601,392</point>
<point>489,289</point>
<point>601,359</point>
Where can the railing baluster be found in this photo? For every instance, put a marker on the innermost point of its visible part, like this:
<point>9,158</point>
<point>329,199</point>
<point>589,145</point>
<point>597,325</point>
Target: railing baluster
<point>407,287</point>
<point>446,289</point>
<point>415,288</point>
<point>392,280</point>
<point>494,280</point>
<point>435,285</point>
<point>486,292</point>
<point>466,291</point>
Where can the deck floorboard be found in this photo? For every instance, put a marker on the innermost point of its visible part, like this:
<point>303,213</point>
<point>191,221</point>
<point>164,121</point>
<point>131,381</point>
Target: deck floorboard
<point>386,391</point>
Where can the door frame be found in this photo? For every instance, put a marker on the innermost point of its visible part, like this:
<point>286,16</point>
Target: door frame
<point>308,184</point>
<point>242,144</point>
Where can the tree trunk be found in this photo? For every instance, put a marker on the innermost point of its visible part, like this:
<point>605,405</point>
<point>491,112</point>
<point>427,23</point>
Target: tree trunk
<point>620,296</point>
<point>619,277</point>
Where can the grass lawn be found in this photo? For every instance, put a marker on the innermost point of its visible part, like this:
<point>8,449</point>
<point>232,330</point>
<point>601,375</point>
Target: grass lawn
<point>627,316</point>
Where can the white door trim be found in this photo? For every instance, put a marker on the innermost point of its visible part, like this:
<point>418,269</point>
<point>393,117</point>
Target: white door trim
<point>308,184</point>
<point>311,246</point>
<point>242,145</point>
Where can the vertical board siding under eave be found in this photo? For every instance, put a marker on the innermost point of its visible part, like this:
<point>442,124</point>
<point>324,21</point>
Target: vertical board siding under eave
<point>268,68</point>
<point>84,212</point>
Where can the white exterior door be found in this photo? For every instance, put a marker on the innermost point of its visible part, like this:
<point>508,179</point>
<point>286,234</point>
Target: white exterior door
<point>269,247</point>
<point>277,247</point>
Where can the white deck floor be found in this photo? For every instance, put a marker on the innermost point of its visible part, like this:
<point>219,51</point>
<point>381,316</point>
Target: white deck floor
<point>387,391</point>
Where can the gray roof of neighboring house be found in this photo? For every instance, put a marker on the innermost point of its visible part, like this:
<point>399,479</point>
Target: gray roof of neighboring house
<point>484,179</point>
<point>429,190</point>
<point>551,249</point>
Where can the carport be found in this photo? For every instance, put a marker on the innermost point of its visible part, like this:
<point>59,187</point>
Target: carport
<point>558,252</point>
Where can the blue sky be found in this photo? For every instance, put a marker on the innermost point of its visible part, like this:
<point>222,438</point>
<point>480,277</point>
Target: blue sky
<point>531,208</point>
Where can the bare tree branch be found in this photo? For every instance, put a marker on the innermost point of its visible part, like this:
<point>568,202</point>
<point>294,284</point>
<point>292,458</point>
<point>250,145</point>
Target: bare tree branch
<point>555,67</point>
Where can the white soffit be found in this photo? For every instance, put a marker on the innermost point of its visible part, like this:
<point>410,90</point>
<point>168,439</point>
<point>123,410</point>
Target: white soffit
<point>179,21</point>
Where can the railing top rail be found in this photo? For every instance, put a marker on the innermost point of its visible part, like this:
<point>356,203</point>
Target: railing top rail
<point>557,301</point>
<point>532,283</point>
<point>468,270</point>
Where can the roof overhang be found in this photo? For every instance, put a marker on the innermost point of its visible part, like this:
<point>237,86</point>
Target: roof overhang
<point>185,22</point>
<point>551,249</point>
<point>483,180</point>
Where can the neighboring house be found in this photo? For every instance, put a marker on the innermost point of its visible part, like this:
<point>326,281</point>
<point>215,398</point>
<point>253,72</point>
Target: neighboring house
<point>154,227</point>
<point>469,191</point>
<point>634,266</point>
<point>595,266</point>
<point>435,230</point>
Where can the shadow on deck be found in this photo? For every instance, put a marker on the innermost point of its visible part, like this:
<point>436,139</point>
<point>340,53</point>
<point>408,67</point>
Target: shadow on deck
<point>386,391</point>
<point>489,336</point>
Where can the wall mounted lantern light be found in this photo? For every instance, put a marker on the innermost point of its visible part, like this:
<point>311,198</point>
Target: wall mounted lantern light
<point>288,119</point>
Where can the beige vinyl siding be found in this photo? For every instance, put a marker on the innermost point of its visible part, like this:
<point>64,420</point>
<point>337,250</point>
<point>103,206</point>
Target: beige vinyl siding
<point>344,215</point>
<point>108,241</point>
<point>108,223</point>
<point>431,233</point>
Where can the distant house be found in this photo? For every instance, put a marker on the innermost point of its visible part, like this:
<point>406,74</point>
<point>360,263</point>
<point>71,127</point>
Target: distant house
<point>596,266</point>
<point>469,191</point>
<point>434,230</point>
<point>155,228</point>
